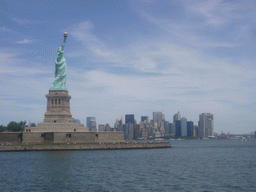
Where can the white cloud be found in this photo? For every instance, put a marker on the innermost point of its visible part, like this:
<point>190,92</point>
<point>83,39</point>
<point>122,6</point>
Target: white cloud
<point>24,41</point>
<point>5,29</point>
<point>219,12</point>
<point>23,21</point>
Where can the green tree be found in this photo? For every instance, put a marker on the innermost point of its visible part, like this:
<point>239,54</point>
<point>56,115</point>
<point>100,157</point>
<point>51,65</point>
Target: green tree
<point>2,128</point>
<point>32,125</point>
<point>16,126</point>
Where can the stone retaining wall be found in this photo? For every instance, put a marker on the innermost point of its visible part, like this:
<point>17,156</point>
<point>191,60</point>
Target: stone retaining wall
<point>61,137</point>
<point>102,146</point>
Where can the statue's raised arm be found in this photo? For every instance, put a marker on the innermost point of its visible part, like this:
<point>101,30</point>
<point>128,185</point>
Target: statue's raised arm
<point>60,68</point>
<point>64,41</point>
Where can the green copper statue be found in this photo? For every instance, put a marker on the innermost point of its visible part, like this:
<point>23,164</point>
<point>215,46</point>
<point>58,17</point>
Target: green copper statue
<point>60,69</point>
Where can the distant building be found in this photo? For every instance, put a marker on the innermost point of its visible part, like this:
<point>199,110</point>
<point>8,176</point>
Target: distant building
<point>178,128</point>
<point>129,118</point>
<point>145,133</point>
<point>145,119</point>
<point>107,127</point>
<point>166,128</point>
<point>101,127</point>
<point>190,129</point>
<point>137,131</point>
<point>157,118</point>
<point>91,123</point>
<point>128,131</point>
<point>176,117</point>
<point>172,128</point>
<point>195,131</point>
<point>119,124</point>
<point>77,121</point>
<point>205,127</point>
<point>183,125</point>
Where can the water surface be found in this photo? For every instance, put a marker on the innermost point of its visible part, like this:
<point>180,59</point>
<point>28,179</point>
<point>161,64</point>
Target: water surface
<point>190,165</point>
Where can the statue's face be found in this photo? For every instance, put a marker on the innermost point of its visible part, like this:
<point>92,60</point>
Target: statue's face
<point>59,49</point>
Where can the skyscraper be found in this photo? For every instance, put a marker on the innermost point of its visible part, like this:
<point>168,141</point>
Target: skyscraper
<point>145,118</point>
<point>128,131</point>
<point>129,119</point>
<point>205,128</point>
<point>166,127</point>
<point>157,117</point>
<point>183,125</point>
<point>101,127</point>
<point>177,128</point>
<point>91,123</point>
<point>176,117</point>
<point>172,128</point>
<point>190,128</point>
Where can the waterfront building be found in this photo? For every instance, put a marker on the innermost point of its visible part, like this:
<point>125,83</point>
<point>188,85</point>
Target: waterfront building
<point>190,129</point>
<point>205,126</point>
<point>91,123</point>
<point>183,126</point>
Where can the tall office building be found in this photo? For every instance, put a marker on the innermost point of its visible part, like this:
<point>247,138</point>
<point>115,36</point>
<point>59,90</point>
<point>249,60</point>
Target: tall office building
<point>190,128</point>
<point>205,125</point>
<point>166,128</point>
<point>129,131</point>
<point>183,125</point>
<point>145,119</point>
<point>91,123</point>
<point>195,131</point>
<point>177,128</point>
<point>101,127</point>
<point>157,118</point>
<point>172,128</point>
<point>176,117</point>
<point>119,124</point>
<point>129,119</point>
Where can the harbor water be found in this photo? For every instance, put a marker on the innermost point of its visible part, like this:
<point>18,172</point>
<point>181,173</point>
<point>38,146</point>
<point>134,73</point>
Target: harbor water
<point>190,165</point>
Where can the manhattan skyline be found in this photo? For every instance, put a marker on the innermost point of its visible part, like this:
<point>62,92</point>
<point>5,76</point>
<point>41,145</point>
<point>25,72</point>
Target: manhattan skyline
<point>132,57</point>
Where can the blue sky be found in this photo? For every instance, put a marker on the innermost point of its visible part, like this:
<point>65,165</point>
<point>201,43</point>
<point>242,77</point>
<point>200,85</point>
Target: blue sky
<point>134,57</point>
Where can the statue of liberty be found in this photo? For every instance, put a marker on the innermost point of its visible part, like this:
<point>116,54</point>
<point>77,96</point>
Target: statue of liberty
<point>60,69</point>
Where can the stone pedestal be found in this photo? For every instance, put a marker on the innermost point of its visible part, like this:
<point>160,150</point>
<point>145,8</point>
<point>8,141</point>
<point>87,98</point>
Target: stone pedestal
<point>58,107</point>
<point>58,117</point>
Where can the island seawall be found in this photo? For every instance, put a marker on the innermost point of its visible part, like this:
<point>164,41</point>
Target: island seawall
<point>90,146</point>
